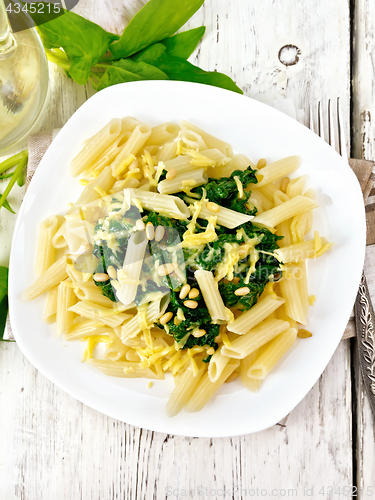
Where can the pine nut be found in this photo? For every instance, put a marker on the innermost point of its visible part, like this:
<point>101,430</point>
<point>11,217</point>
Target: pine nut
<point>242,291</point>
<point>171,174</point>
<point>150,231</point>
<point>304,334</point>
<point>165,269</point>
<point>213,207</point>
<point>177,321</point>
<point>193,294</point>
<point>184,291</point>
<point>218,338</point>
<point>159,233</point>
<point>165,318</point>
<point>112,272</point>
<point>210,350</point>
<point>284,184</point>
<point>99,277</point>
<point>199,333</point>
<point>140,225</point>
<point>261,163</point>
<point>191,304</point>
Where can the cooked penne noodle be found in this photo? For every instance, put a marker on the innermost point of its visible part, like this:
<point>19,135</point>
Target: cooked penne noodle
<point>252,384</point>
<point>206,389</point>
<point>278,169</point>
<point>211,141</point>
<point>171,206</point>
<point>167,152</point>
<point>154,311</point>
<point>46,251</point>
<point>186,180</point>
<point>100,314</point>
<point>109,155</point>
<point>86,328</point>
<point>185,387</point>
<point>95,146</point>
<point>165,132</point>
<point>193,140</point>
<point>101,184</point>
<point>49,315</point>
<point>229,165</point>
<point>255,338</point>
<point>211,296</point>
<point>296,186</point>
<point>124,369</point>
<point>260,311</point>
<point>225,216</point>
<point>128,277</point>
<point>290,208</point>
<point>216,366</point>
<point>299,251</point>
<point>65,300</point>
<point>181,164</point>
<point>89,291</point>
<point>133,145</point>
<point>54,275</point>
<point>302,286</point>
<point>274,351</point>
<point>290,291</point>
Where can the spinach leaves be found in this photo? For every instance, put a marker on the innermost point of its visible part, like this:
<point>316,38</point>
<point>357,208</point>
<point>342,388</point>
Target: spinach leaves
<point>147,49</point>
<point>225,191</point>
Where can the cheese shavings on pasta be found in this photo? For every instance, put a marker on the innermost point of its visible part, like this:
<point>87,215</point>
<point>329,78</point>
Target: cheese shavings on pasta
<point>166,263</point>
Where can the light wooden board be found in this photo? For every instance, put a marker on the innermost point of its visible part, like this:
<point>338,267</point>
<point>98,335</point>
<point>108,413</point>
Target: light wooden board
<point>51,446</point>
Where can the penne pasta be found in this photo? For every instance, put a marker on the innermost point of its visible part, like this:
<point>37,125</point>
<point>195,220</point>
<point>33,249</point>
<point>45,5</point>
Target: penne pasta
<point>211,296</point>
<point>206,389</point>
<point>255,338</point>
<point>251,318</point>
<point>95,146</point>
<point>274,351</point>
<point>65,300</point>
<point>285,211</point>
<point>166,278</point>
<point>184,181</point>
<point>46,250</point>
<point>278,169</point>
<point>50,309</point>
<point>52,277</point>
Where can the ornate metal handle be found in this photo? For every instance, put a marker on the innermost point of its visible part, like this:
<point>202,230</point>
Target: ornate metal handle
<point>365,326</point>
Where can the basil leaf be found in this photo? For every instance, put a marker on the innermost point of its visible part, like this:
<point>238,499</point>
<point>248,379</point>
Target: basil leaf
<point>3,299</point>
<point>183,44</point>
<point>126,70</point>
<point>178,69</point>
<point>157,20</point>
<point>84,42</point>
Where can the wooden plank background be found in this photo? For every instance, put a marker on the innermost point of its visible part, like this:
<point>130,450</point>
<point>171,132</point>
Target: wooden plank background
<point>52,446</point>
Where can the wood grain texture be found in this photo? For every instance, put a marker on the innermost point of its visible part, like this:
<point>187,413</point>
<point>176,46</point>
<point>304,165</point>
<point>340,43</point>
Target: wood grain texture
<point>363,65</point>
<point>52,446</point>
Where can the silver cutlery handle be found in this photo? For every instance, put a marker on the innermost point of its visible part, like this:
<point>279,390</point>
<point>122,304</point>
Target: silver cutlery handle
<point>365,326</point>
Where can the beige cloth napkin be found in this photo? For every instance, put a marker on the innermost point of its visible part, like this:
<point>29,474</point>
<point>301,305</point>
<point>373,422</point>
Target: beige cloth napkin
<point>364,170</point>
